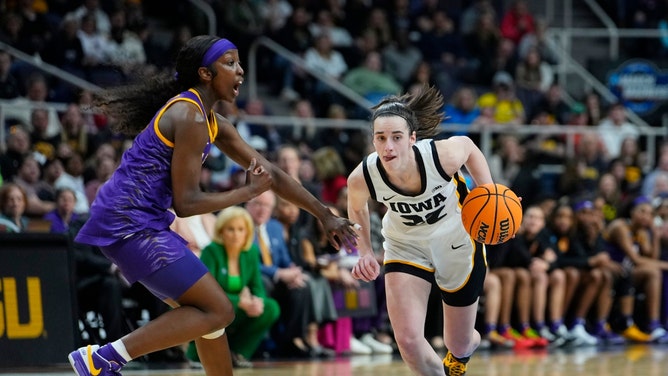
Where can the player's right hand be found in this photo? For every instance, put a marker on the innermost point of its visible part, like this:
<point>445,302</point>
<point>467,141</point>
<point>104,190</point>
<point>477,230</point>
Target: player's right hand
<point>367,268</point>
<point>258,178</point>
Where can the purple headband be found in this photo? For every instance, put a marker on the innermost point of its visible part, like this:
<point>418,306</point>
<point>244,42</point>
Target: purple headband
<point>641,200</point>
<point>217,50</point>
<point>582,205</point>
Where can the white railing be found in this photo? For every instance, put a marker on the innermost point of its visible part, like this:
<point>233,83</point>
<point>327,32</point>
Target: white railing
<point>209,13</point>
<point>298,61</point>
<point>487,134</point>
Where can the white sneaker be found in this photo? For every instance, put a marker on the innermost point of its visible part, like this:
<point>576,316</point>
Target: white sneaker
<point>376,346</point>
<point>555,339</point>
<point>359,348</point>
<point>581,337</point>
<point>547,334</point>
<point>658,333</point>
<point>563,332</point>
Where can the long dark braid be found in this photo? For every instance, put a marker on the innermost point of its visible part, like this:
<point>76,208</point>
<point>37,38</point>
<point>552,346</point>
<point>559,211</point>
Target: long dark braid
<point>133,106</point>
<point>423,111</point>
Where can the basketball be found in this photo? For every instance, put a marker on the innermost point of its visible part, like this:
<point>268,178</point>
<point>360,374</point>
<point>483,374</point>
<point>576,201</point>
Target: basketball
<point>491,213</point>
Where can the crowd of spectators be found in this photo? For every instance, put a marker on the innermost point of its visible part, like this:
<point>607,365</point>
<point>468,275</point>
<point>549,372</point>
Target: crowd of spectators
<point>494,65</point>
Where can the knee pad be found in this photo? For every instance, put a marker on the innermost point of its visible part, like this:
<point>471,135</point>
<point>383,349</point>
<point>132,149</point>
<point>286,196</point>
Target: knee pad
<point>214,335</point>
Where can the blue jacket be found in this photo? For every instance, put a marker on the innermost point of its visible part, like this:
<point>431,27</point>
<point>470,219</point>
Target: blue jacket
<point>279,249</point>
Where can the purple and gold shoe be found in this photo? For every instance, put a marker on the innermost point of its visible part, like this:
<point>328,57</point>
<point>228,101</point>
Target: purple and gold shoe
<point>87,362</point>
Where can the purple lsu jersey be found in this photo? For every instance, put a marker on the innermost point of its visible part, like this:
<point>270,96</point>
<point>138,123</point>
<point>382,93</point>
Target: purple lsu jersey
<point>139,193</point>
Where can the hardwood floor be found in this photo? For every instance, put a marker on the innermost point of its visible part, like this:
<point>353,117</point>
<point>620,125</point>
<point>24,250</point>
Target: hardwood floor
<point>641,360</point>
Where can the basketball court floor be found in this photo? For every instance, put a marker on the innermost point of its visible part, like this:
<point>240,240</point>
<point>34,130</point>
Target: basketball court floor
<point>640,360</point>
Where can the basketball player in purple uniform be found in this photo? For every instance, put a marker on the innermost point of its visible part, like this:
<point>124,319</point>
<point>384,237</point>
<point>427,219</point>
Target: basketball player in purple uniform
<point>420,182</point>
<point>129,219</point>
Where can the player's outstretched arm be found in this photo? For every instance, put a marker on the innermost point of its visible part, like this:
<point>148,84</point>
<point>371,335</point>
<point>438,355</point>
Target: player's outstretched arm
<point>367,268</point>
<point>339,230</point>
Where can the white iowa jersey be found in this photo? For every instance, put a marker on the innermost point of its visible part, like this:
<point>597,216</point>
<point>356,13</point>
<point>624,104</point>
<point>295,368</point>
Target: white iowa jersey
<point>436,207</point>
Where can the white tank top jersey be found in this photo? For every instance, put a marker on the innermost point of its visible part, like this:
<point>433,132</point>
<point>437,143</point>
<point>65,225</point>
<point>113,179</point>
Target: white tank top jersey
<point>436,208</point>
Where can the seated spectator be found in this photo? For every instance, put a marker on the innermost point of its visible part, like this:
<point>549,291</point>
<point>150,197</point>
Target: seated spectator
<point>275,14</point>
<point>533,77</point>
<point>72,178</point>
<point>18,148</point>
<point>296,237</point>
<point>561,228</point>
<point>232,258</point>
<point>104,167</point>
<point>661,168</point>
<point>127,50</point>
<point>42,143</point>
<point>614,128</point>
<point>13,202</point>
<point>288,159</point>
<point>63,215</point>
<point>538,39</point>
<point>401,57</point>
<point>37,94</point>
<point>506,162</point>
<point>594,108</point>
<point>548,280</point>
<point>634,243</point>
<point>327,62</point>
<point>93,8</point>
<point>508,109</point>
<point>369,80</point>
<point>586,252</point>
<point>75,133</point>
<point>331,172</point>
<point>28,178</point>
<point>632,161</point>
<point>51,171</point>
<point>553,104</point>
<point>463,110</point>
<point>517,21</point>
<point>304,133</point>
<point>584,168</point>
<point>324,24</point>
<point>284,281</point>
<point>97,47</point>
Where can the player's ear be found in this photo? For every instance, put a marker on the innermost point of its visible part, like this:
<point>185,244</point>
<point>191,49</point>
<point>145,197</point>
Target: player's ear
<point>205,73</point>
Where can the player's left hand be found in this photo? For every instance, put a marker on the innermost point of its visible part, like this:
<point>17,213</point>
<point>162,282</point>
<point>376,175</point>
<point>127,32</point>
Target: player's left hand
<point>367,268</point>
<point>340,231</point>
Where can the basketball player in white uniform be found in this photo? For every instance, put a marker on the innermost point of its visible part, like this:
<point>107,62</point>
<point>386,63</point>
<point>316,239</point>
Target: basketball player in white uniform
<point>420,182</point>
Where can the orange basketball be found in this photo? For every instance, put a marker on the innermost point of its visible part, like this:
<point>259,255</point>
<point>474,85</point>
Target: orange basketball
<point>491,213</point>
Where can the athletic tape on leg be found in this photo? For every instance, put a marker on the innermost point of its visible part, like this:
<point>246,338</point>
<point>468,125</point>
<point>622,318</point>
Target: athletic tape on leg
<point>215,334</point>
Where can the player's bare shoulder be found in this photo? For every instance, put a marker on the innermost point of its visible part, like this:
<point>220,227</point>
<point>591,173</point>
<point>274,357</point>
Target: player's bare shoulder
<point>356,176</point>
<point>453,152</point>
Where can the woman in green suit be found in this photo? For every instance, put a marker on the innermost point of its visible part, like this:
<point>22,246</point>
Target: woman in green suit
<point>232,258</point>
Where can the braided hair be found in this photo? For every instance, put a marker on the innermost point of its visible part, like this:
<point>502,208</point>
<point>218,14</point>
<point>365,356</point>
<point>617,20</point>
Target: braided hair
<point>422,111</point>
<point>133,106</point>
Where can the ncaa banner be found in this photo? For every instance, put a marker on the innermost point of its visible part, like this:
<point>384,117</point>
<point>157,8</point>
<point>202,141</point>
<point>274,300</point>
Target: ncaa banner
<point>37,320</point>
<point>640,85</point>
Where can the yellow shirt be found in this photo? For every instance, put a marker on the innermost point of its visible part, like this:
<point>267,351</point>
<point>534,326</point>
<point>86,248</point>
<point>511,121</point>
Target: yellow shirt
<point>505,111</point>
